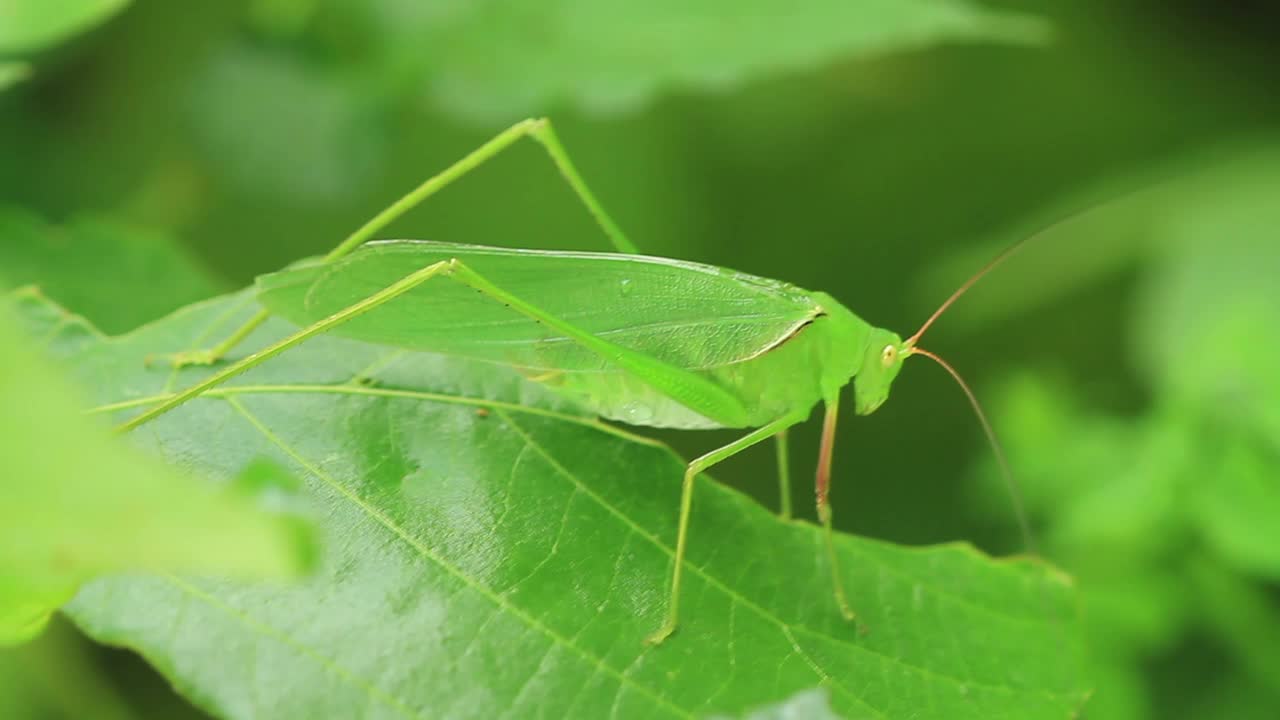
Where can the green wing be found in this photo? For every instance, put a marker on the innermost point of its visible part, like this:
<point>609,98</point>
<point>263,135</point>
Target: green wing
<point>693,316</point>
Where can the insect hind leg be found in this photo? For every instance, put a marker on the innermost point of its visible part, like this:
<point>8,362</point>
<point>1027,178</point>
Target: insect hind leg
<point>537,128</point>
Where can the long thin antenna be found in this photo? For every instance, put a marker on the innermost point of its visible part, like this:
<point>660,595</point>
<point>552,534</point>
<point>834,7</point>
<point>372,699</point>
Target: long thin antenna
<point>973,279</point>
<point>1009,251</point>
<point>1011,483</point>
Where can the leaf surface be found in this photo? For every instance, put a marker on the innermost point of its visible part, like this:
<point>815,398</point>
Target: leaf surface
<point>116,275</point>
<point>79,503</point>
<point>514,58</point>
<point>490,552</point>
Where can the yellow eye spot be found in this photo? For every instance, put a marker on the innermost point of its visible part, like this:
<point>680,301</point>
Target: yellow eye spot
<point>889,355</point>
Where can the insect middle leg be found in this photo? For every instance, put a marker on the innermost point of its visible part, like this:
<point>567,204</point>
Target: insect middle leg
<point>784,476</point>
<point>691,472</point>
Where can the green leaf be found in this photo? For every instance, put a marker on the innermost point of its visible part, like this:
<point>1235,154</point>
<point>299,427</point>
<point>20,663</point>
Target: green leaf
<point>1235,500</point>
<point>498,61</point>
<point>1215,289</point>
<point>1107,491</point>
<point>1205,333</point>
<point>116,275</point>
<point>491,552</point>
<point>79,503</point>
<point>30,25</point>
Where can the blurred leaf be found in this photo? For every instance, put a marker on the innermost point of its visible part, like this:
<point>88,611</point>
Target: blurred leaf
<point>499,61</point>
<point>30,25</point>
<point>1235,498</point>
<point>1118,485</point>
<point>489,553</point>
<point>1107,492</point>
<point>314,135</point>
<point>117,276</point>
<point>1121,693</point>
<point>1234,697</point>
<point>1245,617</point>
<point>79,503</point>
<point>12,73</point>
<point>1205,330</point>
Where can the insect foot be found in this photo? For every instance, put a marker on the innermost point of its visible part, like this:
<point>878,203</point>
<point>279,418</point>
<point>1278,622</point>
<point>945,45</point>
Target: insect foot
<point>662,633</point>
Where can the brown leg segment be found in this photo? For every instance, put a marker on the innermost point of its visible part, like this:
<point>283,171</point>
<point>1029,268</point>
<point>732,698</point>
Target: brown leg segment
<point>822,490</point>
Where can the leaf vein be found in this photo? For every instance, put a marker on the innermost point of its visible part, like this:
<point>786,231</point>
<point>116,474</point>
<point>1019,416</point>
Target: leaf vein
<point>427,553</point>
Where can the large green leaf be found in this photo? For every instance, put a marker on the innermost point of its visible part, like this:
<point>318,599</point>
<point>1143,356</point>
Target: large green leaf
<point>78,503</point>
<point>501,60</point>
<point>490,551</point>
<point>29,25</point>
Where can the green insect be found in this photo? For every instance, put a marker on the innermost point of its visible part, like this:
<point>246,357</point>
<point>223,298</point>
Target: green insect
<point>642,340</point>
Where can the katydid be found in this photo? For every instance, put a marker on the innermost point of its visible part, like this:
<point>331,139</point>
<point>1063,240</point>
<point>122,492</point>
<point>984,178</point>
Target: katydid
<point>642,340</point>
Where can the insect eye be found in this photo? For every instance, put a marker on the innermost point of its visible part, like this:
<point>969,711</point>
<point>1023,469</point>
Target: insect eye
<point>889,354</point>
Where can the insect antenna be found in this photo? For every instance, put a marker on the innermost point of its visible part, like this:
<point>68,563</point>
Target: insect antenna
<point>1010,481</point>
<point>973,279</point>
<point>1065,219</point>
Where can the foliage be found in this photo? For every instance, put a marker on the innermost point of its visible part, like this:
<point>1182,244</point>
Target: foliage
<point>157,154</point>
<point>465,521</point>
<point>1188,484</point>
<point>89,259</point>
<point>69,516</point>
<point>30,26</point>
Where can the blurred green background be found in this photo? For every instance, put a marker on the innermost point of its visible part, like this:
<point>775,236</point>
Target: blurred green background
<point>1128,356</point>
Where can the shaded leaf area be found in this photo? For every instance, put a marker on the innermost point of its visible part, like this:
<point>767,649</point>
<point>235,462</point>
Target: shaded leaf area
<point>12,73</point>
<point>79,503</point>
<point>498,61</point>
<point>1167,513</point>
<point>490,551</point>
<point>32,25</point>
<point>34,679</point>
<point>116,275</point>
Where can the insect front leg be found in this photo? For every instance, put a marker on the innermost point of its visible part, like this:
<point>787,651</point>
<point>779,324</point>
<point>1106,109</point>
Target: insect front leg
<point>691,472</point>
<point>822,491</point>
<point>356,309</point>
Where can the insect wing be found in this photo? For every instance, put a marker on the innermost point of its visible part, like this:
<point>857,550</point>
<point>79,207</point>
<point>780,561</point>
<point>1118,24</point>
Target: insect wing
<point>686,314</point>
